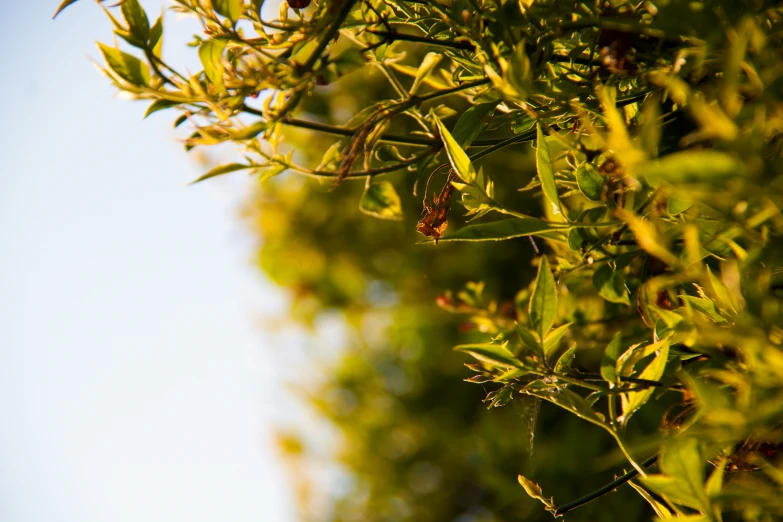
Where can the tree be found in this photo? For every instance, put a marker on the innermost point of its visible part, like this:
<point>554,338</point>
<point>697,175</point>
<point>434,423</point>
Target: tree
<point>650,319</point>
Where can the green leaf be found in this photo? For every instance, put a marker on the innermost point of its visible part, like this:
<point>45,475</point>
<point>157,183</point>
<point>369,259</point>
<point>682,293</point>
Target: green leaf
<point>714,483</point>
<point>457,157</point>
<point>693,166</point>
<point>529,340</point>
<point>564,361</point>
<point>590,182</point>
<point>609,360</point>
<point>471,124</point>
<point>223,169</point>
<point>63,5</point>
<point>611,285</point>
<point>566,399</point>
<point>632,401</point>
<point>722,294</point>
<point>231,9</point>
<point>156,37</point>
<point>546,172</point>
<point>705,306</point>
<point>675,490</point>
<point>137,20</point>
<point>552,340</point>
<point>382,201</point>
<point>500,230</point>
<point>683,469</point>
<point>159,105</point>
<point>543,301</point>
<point>211,54</point>
<point>125,66</point>
<point>428,64</point>
<point>492,354</point>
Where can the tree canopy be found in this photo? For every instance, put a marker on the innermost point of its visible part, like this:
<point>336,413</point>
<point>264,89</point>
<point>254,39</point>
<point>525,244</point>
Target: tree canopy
<point>637,145</point>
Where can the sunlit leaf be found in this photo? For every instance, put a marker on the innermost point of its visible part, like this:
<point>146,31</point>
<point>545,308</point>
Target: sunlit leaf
<point>127,67</point>
<point>457,157</point>
<point>552,340</point>
<point>632,401</point>
<point>500,230</point>
<point>231,9</point>
<point>534,491</point>
<point>223,169</point>
<point>567,400</point>
<point>211,54</point>
<point>137,20</point>
<point>428,64</point>
<point>62,6</point>
<point>493,354</point>
<point>692,167</point>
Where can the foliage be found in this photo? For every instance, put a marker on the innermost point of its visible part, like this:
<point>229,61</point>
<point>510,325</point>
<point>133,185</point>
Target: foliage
<point>654,314</point>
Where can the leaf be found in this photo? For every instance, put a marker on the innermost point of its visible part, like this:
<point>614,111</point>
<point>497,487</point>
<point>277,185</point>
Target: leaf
<point>722,293</point>
<point>714,483</point>
<point>545,171</point>
<point>159,105</point>
<point>564,361</point>
<point>660,510</point>
<point>125,66</point>
<point>223,169</point>
<point>552,340</point>
<point>471,124</point>
<point>211,54</point>
<point>543,300</point>
<point>430,61</point>
<point>492,354</point>
<point>705,306</point>
<point>648,237</point>
<point>632,401</point>
<point>63,5</point>
<point>534,491</point>
<point>156,37</point>
<point>683,469</point>
<point>567,400</point>
<point>609,360</point>
<point>529,340</point>
<point>611,285</point>
<point>231,9</point>
<point>692,166</point>
<point>137,20</point>
<point>382,201</point>
<point>503,229</point>
<point>457,157</point>
<point>590,182</point>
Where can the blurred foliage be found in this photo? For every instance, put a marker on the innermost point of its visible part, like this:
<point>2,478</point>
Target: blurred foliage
<point>644,308</point>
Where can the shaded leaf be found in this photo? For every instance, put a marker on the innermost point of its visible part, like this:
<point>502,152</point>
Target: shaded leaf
<point>382,201</point>
<point>471,124</point>
<point>136,18</point>
<point>590,182</point>
<point>705,306</point>
<point>692,166</point>
<point>567,400</point>
<point>611,285</point>
<point>609,360</point>
<point>543,300</point>
<point>231,9</point>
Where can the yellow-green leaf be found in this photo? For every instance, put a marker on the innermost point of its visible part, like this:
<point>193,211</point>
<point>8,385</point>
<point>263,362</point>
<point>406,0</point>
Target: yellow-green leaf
<point>211,54</point>
<point>492,354</point>
<point>546,173</point>
<point>125,66</point>
<point>457,157</point>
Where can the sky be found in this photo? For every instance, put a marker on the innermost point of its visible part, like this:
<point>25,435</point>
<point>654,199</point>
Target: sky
<point>133,383</point>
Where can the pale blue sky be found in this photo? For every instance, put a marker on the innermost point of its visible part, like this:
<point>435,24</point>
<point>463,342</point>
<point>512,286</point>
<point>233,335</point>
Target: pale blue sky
<point>132,378</point>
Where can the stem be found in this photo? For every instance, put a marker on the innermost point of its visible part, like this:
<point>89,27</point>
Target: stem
<point>327,37</point>
<point>359,174</point>
<point>627,455</point>
<point>389,36</point>
<point>604,490</point>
